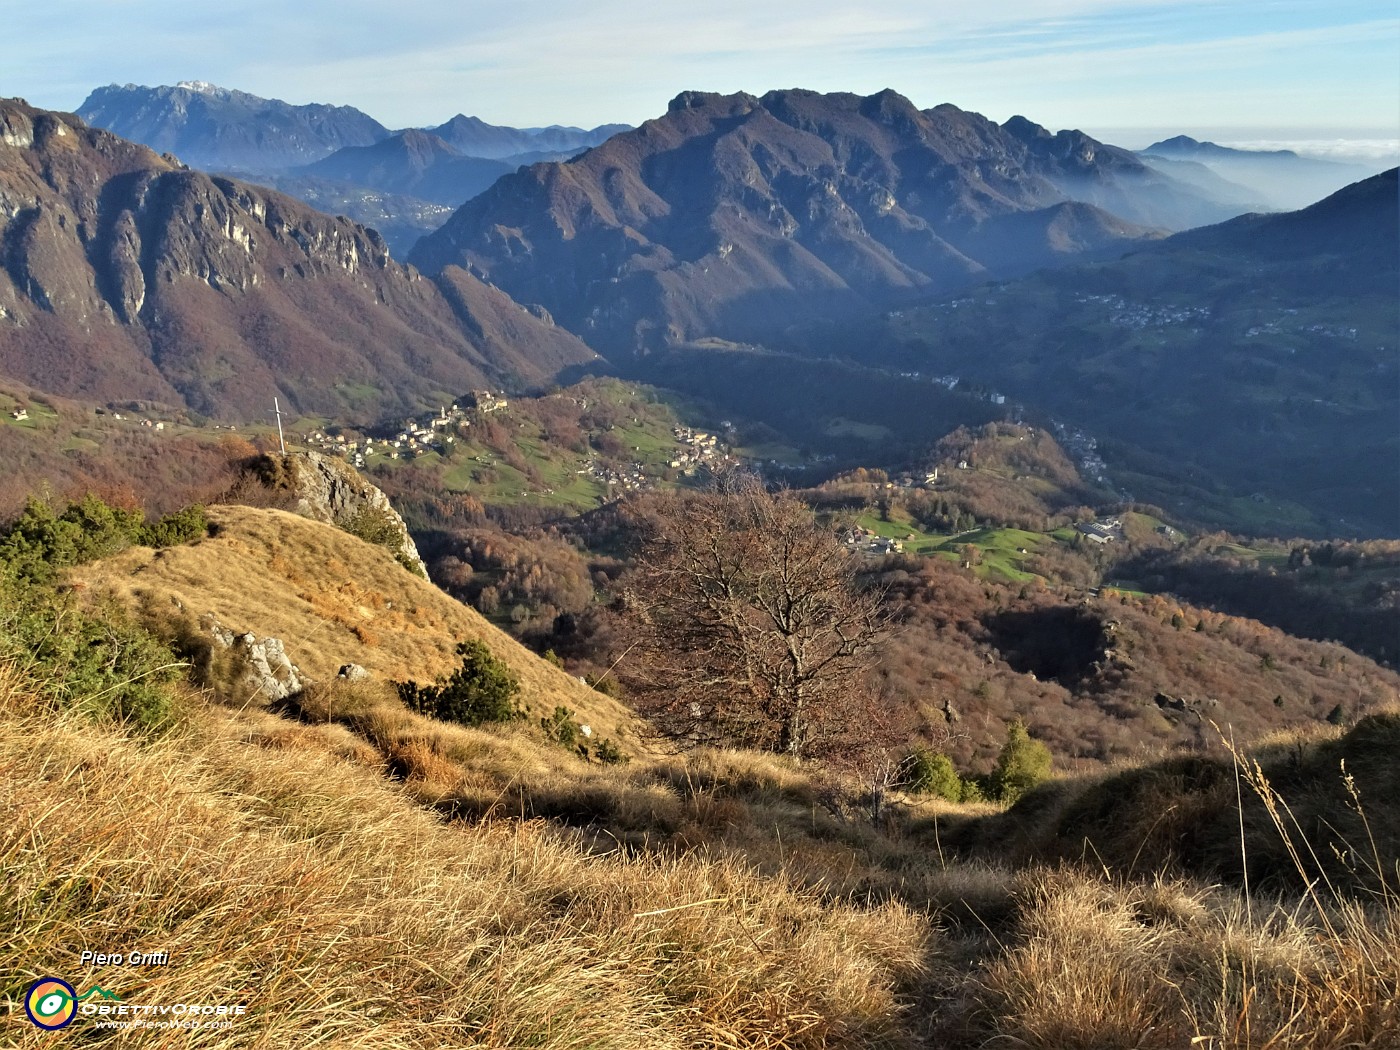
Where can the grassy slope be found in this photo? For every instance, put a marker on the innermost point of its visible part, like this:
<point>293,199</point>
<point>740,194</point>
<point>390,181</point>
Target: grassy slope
<point>480,465</point>
<point>307,887</point>
<point>359,875</point>
<point>280,869</point>
<point>333,600</point>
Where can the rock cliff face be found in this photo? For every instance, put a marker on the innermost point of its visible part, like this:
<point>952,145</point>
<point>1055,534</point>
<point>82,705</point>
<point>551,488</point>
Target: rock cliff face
<point>332,491</point>
<point>737,216</point>
<point>125,276</point>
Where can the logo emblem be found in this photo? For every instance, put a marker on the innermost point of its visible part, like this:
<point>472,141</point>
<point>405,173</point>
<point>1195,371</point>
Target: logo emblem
<point>51,1003</point>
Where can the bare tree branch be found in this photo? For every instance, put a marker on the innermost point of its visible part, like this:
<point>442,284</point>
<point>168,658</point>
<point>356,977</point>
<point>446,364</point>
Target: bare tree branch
<point>750,626</point>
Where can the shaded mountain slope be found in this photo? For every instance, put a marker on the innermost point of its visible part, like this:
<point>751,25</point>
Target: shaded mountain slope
<point>127,276</point>
<point>735,216</point>
<point>1243,372</point>
<point>1357,225</point>
<point>414,163</point>
<point>1112,178</point>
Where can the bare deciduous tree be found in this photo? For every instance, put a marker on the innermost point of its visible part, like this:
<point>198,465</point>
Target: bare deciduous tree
<point>749,625</point>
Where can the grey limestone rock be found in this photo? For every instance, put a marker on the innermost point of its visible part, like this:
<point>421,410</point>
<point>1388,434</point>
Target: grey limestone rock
<point>332,491</point>
<point>263,667</point>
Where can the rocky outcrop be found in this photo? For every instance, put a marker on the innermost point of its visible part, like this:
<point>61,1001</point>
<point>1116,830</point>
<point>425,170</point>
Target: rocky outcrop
<point>261,668</point>
<point>332,491</point>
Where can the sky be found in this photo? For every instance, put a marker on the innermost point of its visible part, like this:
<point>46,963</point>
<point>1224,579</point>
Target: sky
<point>1279,71</point>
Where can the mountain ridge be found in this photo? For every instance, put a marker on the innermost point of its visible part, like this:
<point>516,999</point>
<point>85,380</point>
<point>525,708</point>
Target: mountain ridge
<point>735,215</point>
<point>128,276</point>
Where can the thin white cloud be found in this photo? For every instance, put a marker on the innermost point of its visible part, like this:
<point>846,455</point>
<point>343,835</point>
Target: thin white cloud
<point>532,61</point>
<point>1371,152</point>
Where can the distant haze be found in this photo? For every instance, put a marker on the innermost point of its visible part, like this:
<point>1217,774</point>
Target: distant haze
<point>1378,148</point>
<point>1378,153</point>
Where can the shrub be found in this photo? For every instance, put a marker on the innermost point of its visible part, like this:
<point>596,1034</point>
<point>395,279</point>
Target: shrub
<point>605,684</point>
<point>1022,764</point>
<point>183,526</point>
<point>276,472</point>
<point>972,791</point>
<point>99,664</point>
<point>932,773</point>
<point>560,727</point>
<point>608,753</point>
<point>483,689</point>
<point>377,525</point>
<point>41,541</point>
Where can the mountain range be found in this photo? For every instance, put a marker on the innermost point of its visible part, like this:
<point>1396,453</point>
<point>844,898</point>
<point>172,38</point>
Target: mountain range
<point>220,129</point>
<point>1247,367</point>
<point>128,276</point>
<point>736,216</point>
<point>1238,355</point>
<point>332,156</point>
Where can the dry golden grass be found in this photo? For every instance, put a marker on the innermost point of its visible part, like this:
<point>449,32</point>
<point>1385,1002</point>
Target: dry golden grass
<point>333,600</point>
<point>1165,964</point>
<point>280,868</point>
<point>308,888</point>
<point>361,875</point>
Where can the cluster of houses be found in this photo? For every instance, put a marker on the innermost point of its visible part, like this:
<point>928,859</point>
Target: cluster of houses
<point>1084,450</point>
<point>925,480</point>
<point>863,540</point>
<point>697,447</point>
<point>952,382</point>
<point>413,438</point>
<point>951,304</point>
<point>1138,315</point>
<point>627,479</point>
<point>1334,331</point>
<point>19,414</point>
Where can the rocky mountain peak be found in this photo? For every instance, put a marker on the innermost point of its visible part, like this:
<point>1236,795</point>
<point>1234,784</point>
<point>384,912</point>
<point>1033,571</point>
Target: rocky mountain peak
<point>125,277</point>
<point>736,104</point>
<point>735,216</point>
<point>1026,130</point>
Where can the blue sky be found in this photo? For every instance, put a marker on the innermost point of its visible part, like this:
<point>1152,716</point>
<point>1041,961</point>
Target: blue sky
<point>1266,69</point>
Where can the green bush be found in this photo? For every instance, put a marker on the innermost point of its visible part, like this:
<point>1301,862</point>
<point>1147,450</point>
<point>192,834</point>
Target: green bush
<point>41,541</point>
<point>1022,764</point>
<point>932,773</point>
<point>972,791</point>
<point>377,525</point>
<point>99,664</point>
<point>482,689</point>
<point>608,753</point>
<point>605,684</point>
<point>184,526</point>
<point>560,727</point>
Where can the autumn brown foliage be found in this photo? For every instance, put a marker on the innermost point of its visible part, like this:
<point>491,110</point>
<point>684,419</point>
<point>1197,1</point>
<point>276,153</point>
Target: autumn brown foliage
<point>749,624</point>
